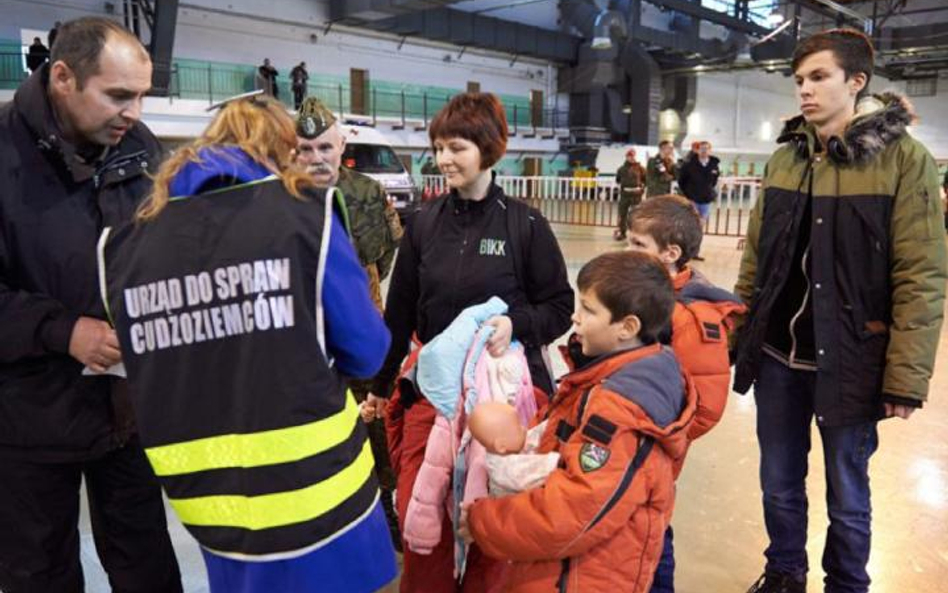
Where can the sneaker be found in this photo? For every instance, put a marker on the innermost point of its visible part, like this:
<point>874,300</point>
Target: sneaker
<point>774,582</point>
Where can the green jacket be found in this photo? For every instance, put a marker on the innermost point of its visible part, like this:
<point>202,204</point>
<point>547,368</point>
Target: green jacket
<point>373,222</point>
<point>631,176</point>
<point>659,176</point>
<point>873,285</point>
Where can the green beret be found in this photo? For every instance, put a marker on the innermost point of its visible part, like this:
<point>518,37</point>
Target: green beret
<point>313,118</point>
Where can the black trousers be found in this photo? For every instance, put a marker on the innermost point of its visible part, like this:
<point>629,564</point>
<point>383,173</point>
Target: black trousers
<point>39,516</point>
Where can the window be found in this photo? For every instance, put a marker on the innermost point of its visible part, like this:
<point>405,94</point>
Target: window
<point>372,158</point>
<point>758,10</point>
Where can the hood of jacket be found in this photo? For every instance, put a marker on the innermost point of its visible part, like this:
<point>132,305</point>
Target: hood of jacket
<point>658,396</point>
<point>691,285</point>
<point>440,369</point>
<point>218,166</point>
<point>879,121</point>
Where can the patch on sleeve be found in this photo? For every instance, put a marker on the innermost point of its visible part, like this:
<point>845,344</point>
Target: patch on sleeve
<point>599,429</point>
<point>592,457</point>
<point>711,332</point>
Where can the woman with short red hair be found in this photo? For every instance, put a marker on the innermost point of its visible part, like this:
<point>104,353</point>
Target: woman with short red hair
<point>459,250</point>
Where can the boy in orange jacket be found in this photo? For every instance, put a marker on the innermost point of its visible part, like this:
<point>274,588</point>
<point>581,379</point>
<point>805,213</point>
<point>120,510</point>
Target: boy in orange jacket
<point>669,228</point>
<point>619,424</point>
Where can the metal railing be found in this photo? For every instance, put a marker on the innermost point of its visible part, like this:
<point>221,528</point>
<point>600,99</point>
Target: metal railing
<point>212,82</point>
<point>216,81</point>
<point>594,201</point>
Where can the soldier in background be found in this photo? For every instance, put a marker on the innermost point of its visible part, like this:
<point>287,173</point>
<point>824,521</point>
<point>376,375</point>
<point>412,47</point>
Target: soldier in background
<point>429,168</point>
<point>375,232</point>
<point>661,170</point>
<point>631,180</point>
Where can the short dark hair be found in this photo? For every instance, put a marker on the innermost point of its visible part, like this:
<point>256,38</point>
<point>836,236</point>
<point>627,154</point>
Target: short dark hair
<point>79,43</point>
<point>631,283</point>
<point>476,117</point>
<point>669,220</point>
<point>664,143</point>
<point>852,49</point>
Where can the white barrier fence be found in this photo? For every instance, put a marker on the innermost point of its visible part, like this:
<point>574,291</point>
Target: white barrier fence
<point>594,201</point>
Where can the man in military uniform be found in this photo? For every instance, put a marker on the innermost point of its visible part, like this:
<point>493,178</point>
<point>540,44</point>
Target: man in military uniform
<point>375,232</point>
<point>429,168</point>
<point>661,170</point>
<point>631,180</point>
<point>373,222</point>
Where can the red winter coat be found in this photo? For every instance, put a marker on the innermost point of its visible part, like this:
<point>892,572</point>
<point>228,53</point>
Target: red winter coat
<point>597,524</point>
<point>702,317</point>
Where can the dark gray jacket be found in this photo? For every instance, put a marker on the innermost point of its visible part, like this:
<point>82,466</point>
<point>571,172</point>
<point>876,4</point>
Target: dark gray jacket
<point>52,209</point>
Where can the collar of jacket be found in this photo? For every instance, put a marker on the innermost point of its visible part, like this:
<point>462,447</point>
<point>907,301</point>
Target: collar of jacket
<point>691,285</point>
<point>216,162</point>
<point>599,368</point>
<point>494,193</point>
<point>880,120</point>
<point>649,377</point>
<point>32,103</point>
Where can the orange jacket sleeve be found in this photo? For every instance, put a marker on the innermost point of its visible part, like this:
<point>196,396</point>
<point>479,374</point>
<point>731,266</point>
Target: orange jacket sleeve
<point>699,339</point>
<point>578,507</point>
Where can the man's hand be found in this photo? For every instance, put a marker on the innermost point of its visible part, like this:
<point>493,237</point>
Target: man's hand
<point>94,344</point>
<point>900,410</point>
<point>373,408</point>
<point>503,332</point>
<point>464,530</point>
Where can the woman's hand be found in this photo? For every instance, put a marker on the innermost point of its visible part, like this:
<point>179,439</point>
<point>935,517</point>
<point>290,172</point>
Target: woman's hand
<point>503,331</point>
<point>373,408</point>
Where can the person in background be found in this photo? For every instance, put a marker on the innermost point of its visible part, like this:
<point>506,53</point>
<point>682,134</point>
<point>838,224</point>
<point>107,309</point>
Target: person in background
<point>631,180</point>
<point>37,55</point>
<point>74,158</point>
<point>661,170</point>
<point>266,79</point>
<point>460,250</point>
<point>243,407</point>
<point>51,36</point>
<point>300,78</point>
<point>429,168</point>
<point>844,272</point>
<point>698,179</point>
<point>375,232</point>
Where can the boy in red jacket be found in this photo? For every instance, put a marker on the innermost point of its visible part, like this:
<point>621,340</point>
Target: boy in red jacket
<point>669,228</point>
<point>619,424</point>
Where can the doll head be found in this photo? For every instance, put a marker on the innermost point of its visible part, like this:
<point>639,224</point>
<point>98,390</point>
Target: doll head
<point>495,425</point>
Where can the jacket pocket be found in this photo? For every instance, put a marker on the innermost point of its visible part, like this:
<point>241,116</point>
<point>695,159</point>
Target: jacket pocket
<point>926,225</point>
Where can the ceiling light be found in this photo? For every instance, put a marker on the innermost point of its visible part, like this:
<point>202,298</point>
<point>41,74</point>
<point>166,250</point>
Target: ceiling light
<point>775,18</point>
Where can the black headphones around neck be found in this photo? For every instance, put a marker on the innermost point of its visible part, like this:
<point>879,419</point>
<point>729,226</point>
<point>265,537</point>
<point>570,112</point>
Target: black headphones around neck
<point>836,149</point>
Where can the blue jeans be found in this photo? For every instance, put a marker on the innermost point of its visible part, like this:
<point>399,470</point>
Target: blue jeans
<point>703,209</point>
<point>784,413</point>
<point>665,571</point>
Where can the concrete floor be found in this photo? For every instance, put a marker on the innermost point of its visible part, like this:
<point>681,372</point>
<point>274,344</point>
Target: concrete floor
<point>718,521</point>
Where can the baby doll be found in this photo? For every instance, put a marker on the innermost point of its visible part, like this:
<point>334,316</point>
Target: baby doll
<point>512,464</point>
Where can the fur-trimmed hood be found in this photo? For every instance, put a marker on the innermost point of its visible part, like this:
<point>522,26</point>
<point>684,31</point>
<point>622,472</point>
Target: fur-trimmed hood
<point>880,120</point>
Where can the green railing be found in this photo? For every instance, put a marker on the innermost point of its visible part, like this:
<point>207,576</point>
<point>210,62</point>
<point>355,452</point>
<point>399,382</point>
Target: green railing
<point>214,81</point>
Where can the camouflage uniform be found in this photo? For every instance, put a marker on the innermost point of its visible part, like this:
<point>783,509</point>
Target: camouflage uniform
<point>373,224</point>
<point>375,232</point>
<point>631,180</point>
<point>659,176</point>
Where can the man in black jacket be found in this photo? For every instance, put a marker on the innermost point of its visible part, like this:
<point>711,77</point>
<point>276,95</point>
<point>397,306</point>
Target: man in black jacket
<point>73,158</point>
<point>37,56</point>
<point>698,178</point>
